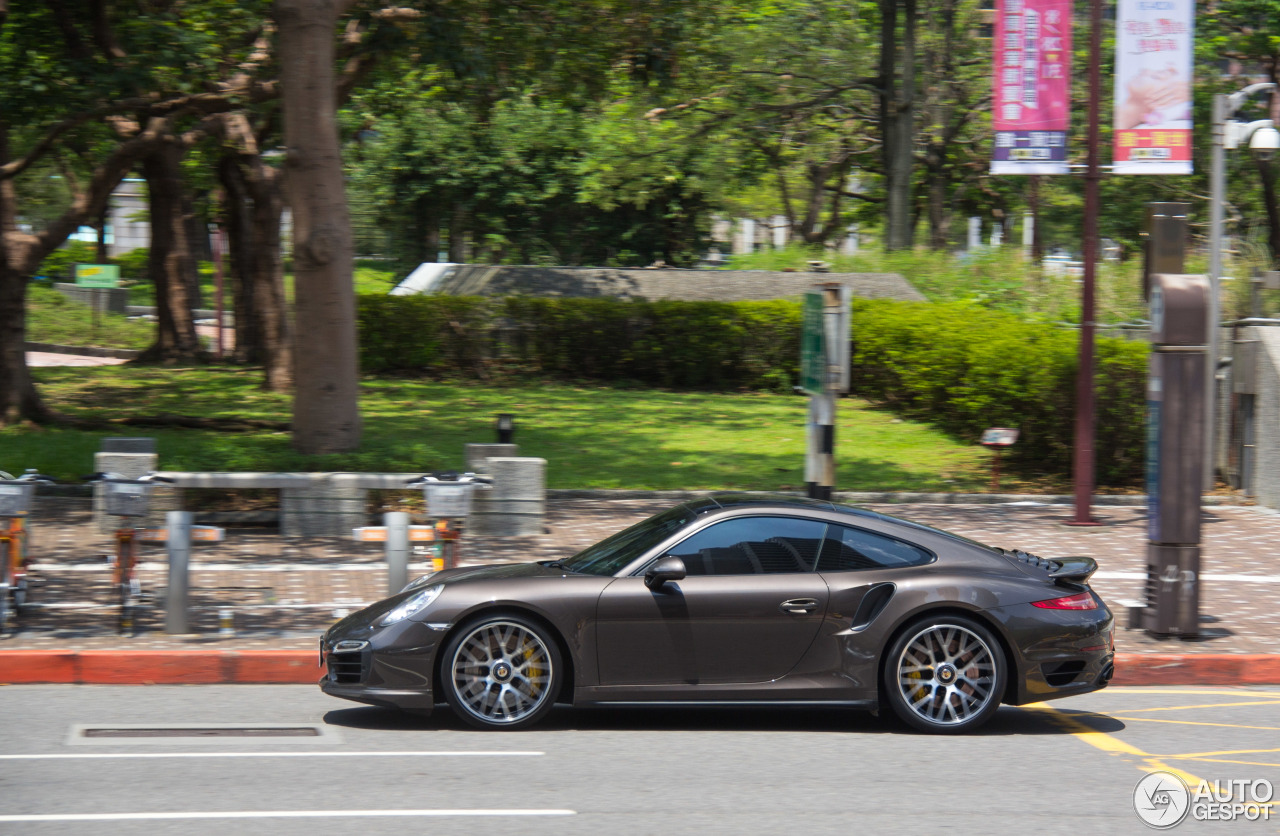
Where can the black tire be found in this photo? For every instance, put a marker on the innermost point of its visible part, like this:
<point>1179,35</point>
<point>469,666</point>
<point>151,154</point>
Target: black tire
<point>945,674</point>
<point>501,671</point>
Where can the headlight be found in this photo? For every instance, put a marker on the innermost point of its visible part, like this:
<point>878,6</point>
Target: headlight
<point>413,605</point>
<point>418,583</point>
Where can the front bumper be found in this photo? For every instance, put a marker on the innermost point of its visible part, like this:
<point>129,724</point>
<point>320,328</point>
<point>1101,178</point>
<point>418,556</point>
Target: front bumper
<point>389,666</point>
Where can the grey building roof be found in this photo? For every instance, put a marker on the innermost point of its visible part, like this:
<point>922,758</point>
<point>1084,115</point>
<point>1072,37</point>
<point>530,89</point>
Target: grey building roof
<point>651,284</point>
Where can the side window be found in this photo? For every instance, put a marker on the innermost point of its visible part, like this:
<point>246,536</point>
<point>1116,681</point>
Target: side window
<point>853,548</point>
<point>752,546</point>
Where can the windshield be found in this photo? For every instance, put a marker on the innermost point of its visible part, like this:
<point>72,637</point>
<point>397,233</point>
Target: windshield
<point>612,553</point>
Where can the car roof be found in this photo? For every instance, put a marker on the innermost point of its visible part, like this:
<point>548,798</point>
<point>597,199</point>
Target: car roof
<point>731,500</point>
<point>782,501</point>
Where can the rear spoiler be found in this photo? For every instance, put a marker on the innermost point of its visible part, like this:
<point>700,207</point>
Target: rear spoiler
<point>1074,569</point>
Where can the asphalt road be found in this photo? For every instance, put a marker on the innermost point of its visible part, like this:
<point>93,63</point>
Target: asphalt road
<point>1066,767</point>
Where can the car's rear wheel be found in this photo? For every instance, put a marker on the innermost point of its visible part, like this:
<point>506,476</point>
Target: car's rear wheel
<point>945,674</point>
<point>501,672</point>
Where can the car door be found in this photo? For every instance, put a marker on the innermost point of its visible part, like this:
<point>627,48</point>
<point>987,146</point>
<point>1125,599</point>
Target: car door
<point>747,610</point>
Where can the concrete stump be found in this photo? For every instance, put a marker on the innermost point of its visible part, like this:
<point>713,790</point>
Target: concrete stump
<point>327,507</point>
<point>516,504</point>
<point>478,455</point>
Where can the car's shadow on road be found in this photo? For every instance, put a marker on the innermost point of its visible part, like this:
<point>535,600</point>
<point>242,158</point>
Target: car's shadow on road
<point>788,719</point>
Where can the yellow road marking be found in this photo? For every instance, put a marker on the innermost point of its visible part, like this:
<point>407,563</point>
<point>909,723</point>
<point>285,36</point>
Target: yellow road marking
<point>1242,763</point>
<point>1109,744</point>
<point>1193,723</point>
<point>1224,752</point>
<point>1142,691</point>
<point>1208,705</point>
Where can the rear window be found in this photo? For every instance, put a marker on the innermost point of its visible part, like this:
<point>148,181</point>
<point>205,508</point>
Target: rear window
<point>848,549</point>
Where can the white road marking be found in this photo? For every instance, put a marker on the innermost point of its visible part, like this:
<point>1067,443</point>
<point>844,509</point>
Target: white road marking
<point>422,754</point>
<point>1142,576</point>
<point>282,814</point>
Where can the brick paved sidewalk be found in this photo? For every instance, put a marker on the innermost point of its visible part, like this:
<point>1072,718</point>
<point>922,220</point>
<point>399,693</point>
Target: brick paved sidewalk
<point>282,593</point>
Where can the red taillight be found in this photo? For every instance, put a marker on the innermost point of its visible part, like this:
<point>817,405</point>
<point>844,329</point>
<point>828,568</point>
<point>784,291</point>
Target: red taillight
<point>1082,601</point>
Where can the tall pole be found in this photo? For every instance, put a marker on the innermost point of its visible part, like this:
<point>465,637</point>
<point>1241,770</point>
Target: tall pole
<point>217,285</point>
<point>1084,460</point>
<point>1217,199</point>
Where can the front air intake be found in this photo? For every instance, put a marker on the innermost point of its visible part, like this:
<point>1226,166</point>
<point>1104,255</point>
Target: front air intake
<point>346,667</point>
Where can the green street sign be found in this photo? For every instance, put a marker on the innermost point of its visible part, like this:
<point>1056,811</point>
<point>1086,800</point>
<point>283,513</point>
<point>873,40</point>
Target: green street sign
<point>813,347</point>
<point>97,275</point>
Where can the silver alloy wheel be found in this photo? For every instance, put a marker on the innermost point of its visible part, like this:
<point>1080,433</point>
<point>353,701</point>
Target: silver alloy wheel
<point>946,674</point>
<point>501,672</point>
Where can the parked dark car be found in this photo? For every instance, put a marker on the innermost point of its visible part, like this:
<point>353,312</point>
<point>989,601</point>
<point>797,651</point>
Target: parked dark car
<point>734,598</point>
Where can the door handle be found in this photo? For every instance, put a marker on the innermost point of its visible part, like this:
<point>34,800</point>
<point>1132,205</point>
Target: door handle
<point>799,606</point>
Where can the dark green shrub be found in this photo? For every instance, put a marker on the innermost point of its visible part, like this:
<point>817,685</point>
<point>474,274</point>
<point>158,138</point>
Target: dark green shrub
<point>964,369</point>
<point>57,265</point>
<point>434,334</point>
<point>134,264</point>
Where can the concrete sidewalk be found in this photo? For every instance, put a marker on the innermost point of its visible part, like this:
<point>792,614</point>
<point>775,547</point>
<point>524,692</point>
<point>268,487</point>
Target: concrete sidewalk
<point>278,595</point>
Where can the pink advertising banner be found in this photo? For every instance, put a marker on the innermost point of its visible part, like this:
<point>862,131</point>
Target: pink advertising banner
<point>1032,86</point>
<point>1153,86</point>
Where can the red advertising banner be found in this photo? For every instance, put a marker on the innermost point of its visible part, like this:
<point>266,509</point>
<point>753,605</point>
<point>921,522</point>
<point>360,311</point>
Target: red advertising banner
<point>1032,86</point>
<point>1152,130</point>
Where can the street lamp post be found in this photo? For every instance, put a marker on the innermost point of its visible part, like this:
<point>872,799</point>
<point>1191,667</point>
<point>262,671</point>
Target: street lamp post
<point>1263,140</point>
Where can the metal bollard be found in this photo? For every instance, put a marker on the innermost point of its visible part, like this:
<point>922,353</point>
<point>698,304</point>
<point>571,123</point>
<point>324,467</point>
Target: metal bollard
<point>175,611</point>
<point>397,550</point>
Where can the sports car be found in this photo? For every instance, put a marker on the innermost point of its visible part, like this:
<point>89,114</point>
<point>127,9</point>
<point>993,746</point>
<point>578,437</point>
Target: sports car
<point>735,598</point>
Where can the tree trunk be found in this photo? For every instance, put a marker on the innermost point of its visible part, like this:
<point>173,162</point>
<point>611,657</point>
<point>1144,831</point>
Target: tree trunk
<point>267,265</point>
<point>19,400</point>
<point>939,211</point>
<point>425,246</point>
<point>1267,172</point>
<point>197,236</point>
<point>237,215</point>
<point>326,415</point>
<point>169,263</point>
<point>897,117</point>
<point>103,217</point>
<point>458,234</point>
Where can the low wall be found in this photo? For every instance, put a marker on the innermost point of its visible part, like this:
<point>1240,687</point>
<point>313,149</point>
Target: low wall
<point>1266,487</point>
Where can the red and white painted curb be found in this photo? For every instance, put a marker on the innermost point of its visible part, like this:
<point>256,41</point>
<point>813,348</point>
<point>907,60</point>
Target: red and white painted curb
<point>211,667</point>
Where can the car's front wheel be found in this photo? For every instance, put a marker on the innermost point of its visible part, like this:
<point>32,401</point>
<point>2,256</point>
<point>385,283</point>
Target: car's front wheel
<point>501,672</point>
<point>945,674</point>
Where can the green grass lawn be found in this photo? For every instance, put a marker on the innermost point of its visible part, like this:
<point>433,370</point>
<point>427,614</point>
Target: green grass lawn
<point>592,437</point>
<point>53,318</point>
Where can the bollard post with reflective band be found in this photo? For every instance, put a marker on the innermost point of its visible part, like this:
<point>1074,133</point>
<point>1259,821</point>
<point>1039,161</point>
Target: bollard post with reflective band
<point>397,550</point>
<point>178,525</point>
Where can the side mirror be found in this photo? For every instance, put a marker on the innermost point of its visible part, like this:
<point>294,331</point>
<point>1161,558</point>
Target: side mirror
<point>668,568</point>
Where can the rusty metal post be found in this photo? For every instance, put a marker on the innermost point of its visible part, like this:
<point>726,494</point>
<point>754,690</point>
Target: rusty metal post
<point>1084,453</point>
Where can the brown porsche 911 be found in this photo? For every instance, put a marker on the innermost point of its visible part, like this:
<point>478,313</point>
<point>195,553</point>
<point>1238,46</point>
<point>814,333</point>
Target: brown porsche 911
<point>734,598</point>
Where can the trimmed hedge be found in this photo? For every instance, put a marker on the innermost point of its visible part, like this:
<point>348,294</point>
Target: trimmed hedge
<point>965,368</point>
<point>708,345</point>
<point>960,367</point>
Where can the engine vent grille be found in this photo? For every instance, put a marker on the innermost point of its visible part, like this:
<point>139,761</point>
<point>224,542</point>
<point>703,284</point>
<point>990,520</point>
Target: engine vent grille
<point>1033,560</point>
